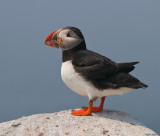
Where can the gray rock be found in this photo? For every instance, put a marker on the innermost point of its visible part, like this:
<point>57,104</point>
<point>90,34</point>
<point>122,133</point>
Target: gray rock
<point>104,123</point>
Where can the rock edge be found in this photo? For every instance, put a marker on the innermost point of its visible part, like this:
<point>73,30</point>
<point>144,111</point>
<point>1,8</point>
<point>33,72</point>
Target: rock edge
<point>106,122</point>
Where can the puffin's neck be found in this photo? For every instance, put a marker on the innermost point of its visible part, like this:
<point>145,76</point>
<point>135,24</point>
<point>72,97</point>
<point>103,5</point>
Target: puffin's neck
<point>68,54</point>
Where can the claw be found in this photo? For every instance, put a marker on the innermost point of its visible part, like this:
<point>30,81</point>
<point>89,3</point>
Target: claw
<point>82,107</point>
<point>83,112</point>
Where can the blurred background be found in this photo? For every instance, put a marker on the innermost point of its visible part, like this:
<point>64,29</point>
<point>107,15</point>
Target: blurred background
<point>30,80</point>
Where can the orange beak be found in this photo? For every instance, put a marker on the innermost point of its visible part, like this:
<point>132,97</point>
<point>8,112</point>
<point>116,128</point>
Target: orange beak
<point>53,40</point>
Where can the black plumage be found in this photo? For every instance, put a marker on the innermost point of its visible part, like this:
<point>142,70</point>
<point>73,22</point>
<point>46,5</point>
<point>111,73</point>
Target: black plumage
<point>102,72</point>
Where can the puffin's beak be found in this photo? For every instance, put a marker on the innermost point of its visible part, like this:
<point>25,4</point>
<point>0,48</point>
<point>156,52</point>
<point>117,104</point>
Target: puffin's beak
<point>53,40</point>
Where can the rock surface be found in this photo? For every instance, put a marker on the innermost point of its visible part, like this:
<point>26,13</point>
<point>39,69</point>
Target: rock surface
<point>104,123</point>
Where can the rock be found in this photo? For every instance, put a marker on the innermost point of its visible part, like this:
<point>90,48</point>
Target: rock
<point>104,123</point>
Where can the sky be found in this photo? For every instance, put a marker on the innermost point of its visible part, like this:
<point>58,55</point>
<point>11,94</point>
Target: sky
<point>124,31</point>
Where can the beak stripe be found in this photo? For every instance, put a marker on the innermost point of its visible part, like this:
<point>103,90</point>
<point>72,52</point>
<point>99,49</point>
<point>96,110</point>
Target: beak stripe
<point>55,37</point>
<point>49,37</point>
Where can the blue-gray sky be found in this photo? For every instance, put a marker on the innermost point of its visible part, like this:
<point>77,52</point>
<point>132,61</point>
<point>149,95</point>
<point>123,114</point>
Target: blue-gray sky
<point>124,31</point>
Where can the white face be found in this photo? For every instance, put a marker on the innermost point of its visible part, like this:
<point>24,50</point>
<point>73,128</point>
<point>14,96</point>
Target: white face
<point>70,39</point>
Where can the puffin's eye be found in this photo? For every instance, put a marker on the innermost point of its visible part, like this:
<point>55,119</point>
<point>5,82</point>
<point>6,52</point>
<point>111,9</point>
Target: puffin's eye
<point>68,35</point>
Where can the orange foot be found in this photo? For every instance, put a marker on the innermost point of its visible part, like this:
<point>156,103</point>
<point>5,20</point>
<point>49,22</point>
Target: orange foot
<point>81,112</point>
<point>97,109</point>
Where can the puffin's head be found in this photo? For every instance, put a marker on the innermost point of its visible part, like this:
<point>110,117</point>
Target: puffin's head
<point>65,38</point>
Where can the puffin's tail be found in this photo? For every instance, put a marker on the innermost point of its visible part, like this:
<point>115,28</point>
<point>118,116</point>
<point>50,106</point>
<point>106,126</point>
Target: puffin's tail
<point>138,85</point>
<point>143,85</point>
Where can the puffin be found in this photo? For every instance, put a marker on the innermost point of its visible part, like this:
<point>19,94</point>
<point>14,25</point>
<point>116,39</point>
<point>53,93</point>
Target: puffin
<point>88,73</point>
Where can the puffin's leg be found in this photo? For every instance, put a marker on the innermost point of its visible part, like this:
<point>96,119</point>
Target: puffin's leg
<point>96,109</point>
<point>83,112</point>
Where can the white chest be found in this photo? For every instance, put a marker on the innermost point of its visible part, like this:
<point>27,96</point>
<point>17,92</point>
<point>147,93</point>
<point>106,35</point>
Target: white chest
<point>73,80</point>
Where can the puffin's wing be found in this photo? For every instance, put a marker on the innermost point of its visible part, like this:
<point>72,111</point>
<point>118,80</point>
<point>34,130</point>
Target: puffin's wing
<point>93,65</point>
<point>104,73</point>
<point>127,67</point>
